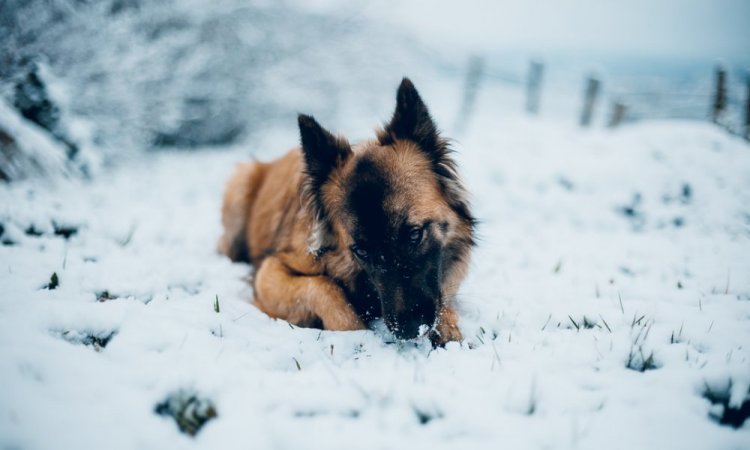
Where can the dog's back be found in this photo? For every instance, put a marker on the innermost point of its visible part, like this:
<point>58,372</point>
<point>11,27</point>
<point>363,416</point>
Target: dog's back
<point>262,212</point>
<point>239,195</point>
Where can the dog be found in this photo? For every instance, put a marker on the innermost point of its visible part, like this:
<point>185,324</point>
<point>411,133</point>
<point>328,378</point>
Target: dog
<point>339,234</point>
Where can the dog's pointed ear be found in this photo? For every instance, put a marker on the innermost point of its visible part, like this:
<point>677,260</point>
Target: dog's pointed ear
<point>323,151</point>
<point>411,120</point>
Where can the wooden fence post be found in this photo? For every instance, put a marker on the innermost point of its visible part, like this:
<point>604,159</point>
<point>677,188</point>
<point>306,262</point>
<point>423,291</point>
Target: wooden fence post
<point>533,87</point>
<point>720,94</point>
<point>747,105</point>
<point>593,86</point>
<point>618,114</point>
<point>473,79</point>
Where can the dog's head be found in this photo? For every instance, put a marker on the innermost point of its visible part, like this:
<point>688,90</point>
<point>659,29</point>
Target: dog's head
<point>393,208</point>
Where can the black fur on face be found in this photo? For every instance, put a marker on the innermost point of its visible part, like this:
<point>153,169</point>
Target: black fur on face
<point>402,260</point>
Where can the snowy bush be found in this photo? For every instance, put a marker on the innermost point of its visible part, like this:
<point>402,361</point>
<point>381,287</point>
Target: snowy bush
<point>172,73</point>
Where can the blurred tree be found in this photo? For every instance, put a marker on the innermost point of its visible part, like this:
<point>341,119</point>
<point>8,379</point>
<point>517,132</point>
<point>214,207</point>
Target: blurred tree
<point>152,73</point>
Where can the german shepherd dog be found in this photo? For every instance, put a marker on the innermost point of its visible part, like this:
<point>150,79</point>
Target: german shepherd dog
<point>340,235</point>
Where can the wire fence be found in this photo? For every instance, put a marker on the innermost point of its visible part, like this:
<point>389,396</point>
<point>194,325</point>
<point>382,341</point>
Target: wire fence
<point>721,96</point>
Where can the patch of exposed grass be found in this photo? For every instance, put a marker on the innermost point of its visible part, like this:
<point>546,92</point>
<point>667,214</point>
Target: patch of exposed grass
<point>424,417</point>
<point>105,295</point>
<point>5,240</point>
<point>96,340</point>
<point>189,411</point>
<point>724,413</point>
<point>65,231</point>
<point>31,230</point>
<point>54,282</point>
<point>638,361</point>
<point>584,323</point>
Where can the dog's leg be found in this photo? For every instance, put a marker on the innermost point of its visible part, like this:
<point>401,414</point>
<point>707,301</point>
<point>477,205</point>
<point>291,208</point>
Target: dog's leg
<point>301,299</point>
<point>446,329</point>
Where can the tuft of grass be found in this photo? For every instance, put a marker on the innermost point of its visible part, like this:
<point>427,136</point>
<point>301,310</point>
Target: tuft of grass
<point>585,323</point>
<point>729,277</point>
<point>639,362</point>
<point>128,237</point>
<point>217,309</point>
<point>589,324</point>
<point>297,362</point>
<point>54,282</point>
<point>547,322</point>
<point>480,335</point>
<point>678,338</point>
<point>188,410</point>
<point>637,321</point>
<point>638,359</point>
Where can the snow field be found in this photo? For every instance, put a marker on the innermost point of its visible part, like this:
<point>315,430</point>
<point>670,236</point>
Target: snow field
<point>573,280</point>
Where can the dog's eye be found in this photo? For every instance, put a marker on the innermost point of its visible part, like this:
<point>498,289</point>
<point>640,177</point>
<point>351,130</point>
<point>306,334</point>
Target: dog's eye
<point>415,235</point>
<point>359,252</point>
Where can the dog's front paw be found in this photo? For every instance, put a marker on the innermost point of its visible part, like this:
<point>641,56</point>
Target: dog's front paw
<point>446,329</point>
<point>444,333</point>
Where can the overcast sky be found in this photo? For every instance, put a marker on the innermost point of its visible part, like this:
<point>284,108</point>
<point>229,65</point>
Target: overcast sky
<point>718,29</point>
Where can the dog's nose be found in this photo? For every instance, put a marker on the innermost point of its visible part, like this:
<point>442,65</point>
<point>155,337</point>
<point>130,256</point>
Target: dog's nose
<point>409,327</point>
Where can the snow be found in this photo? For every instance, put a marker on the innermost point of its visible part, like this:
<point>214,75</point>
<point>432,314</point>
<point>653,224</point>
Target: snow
<point>556,246</point>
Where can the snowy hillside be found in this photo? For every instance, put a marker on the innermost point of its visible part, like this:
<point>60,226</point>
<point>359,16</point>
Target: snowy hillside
<point>608,306</point>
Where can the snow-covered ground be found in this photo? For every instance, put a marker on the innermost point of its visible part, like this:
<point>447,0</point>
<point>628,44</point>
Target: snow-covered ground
<point>608,300</point>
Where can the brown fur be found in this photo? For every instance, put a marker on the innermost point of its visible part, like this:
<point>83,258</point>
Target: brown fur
<point>296,233</point>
